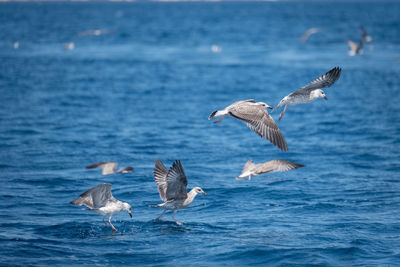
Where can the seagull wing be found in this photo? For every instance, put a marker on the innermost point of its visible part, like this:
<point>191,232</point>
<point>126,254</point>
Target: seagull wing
<point>176,182</point>
<point>259,121</point>
<point>247,167</point>
<point>308,33</point>
<point>276,165</point>
<point>125,169</point>
<point>160,177</point>
<point>95,197</point>
<point>107,167</point>
<point>326,80</point>
<point>353,45</point>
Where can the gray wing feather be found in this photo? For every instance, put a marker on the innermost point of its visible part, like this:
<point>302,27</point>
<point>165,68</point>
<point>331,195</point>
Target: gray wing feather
<point>160,177</point>
<point>323,81</point>
<point>247,166</point>
<point>276,165</point>
<point>176,182</point>
<point>259,121</point>
<point>95,197</point>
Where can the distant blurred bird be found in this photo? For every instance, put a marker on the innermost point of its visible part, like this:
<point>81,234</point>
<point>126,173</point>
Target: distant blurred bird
<point>365,37</point>
<point>100,200</point>
<point>172,188</point>
<point>16,45</point>
<point>257,119</point>
<point>308,33</point>
<point>355,49</point>
<point>275,165</point>
<point>109,168</point>
<point>311,91</point>
<point>69,46</point>
<point>95,32</point>
<point>216,48</point>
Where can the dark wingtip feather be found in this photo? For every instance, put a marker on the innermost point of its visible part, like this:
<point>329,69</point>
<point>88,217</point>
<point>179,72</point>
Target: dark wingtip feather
<point>212,115</point>
<point>94,165</point>
<point>74,202</point>
<point>297,165</point>
<point>129,168</point>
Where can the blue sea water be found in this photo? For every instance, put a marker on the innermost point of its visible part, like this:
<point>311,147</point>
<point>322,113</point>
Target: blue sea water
<point>144,91</point>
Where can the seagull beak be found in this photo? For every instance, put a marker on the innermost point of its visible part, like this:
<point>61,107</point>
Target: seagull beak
<point>204,193</point>
<point>269,107</point>
<point>325,97</point>
<point>130,214</point>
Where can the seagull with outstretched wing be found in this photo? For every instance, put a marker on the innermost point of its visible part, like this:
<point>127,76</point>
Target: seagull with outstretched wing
<point>100,200</point>
<point>311,91</point>
<point>255,115</point>
<point>172,186</point>
<point>276,165</point>
<point>109,168</point>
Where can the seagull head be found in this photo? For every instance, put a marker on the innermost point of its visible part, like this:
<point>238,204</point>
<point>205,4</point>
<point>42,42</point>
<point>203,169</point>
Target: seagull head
<point>318,93</point>
<point>264,105</point>
<point>128,208</point>
<point>198,190</point>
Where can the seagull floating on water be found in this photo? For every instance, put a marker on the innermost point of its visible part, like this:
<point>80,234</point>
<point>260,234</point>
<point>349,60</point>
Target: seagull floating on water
<point>311,91</point>
<point>365,37</point>
<point>257,119</point>
<point>109,168</point>
<point>308,33</point>
<point>276,165</point>
<point>355,49</point>
<point>172,188</point>
<point>99,199</point>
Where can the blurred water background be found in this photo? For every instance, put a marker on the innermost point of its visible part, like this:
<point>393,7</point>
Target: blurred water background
<point>143,91</point>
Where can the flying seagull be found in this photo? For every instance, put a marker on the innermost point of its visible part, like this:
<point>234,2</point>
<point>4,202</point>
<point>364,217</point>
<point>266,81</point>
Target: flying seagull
<point>172,188</point>
<point>276,165</point>
<point>257,119</point>
<point>109,168</point>
<point>308,33</point>
<point>311,91</point>
<point>95,32</point>
<point>99,199</point>
<point>365,37</point>
<point>355,49</point>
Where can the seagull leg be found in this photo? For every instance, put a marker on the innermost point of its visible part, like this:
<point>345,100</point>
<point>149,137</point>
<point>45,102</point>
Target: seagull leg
<point>283,112</point>
<point>249,177</point>
<point>215,122</point>
<point>173,217</point>
<point>159,217</point>
<point>112,226</point>
<point>105,223</point>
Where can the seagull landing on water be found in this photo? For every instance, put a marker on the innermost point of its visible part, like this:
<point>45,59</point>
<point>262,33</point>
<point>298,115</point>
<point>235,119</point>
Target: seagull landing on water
<point>257,119</point>
<point>109,168</point>
<point>276,165</point>
<point>172,188</point>
<point>99,199</point>
<point>355,49</point>
<point>311,91</point>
